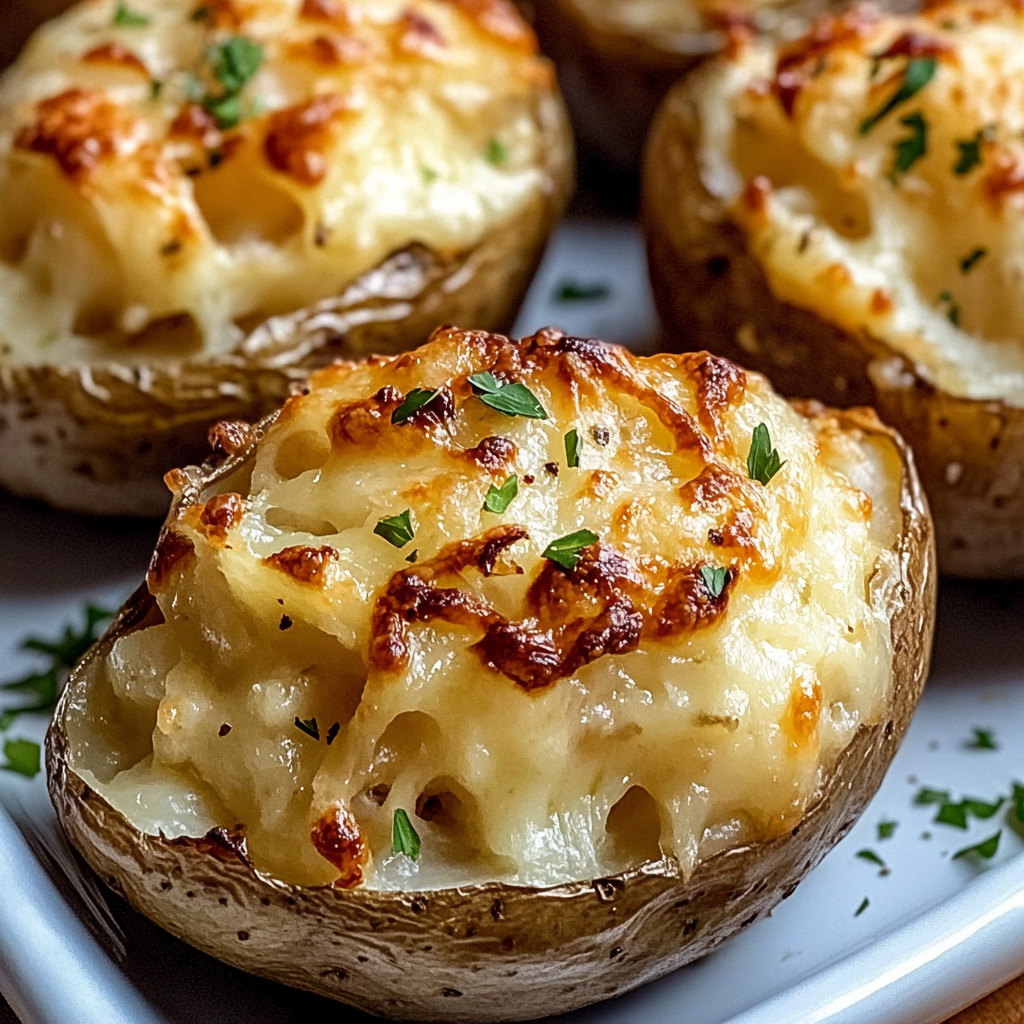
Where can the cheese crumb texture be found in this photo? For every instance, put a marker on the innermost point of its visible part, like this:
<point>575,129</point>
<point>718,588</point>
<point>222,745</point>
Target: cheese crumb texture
<point>171,178</point>
<point>538,722</point>
<point>877,169</point>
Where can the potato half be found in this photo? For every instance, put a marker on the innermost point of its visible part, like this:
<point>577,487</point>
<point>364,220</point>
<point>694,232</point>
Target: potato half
<point>173,173</point>
<point>617,58</point>
<point>616,747</point>
<point>844,215</point>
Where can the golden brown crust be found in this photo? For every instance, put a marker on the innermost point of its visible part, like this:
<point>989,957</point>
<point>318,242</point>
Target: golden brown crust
<point>711,293</point>
<point>483,953</point>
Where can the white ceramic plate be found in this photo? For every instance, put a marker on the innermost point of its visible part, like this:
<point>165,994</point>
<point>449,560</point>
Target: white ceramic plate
<point>938,932</point>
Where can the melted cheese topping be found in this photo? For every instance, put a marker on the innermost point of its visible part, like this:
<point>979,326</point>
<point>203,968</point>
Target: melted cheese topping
<point>537,723</point>
<point>908,226</point>
<point>137,222</point>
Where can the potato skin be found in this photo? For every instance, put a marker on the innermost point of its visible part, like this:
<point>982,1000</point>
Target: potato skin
<point>98,438</point>
<point>711,293</point>
<point>491,952</point>
<point>614,80</point>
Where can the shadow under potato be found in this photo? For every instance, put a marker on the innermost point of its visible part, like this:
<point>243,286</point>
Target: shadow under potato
<point>46,551</point>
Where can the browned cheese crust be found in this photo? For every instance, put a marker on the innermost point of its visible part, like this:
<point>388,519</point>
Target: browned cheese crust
<point>489,952</point>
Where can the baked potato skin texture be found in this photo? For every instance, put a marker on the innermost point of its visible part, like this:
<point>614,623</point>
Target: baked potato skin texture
<point>969,453</point>
<point>491,952</point>
<point>98,438</point>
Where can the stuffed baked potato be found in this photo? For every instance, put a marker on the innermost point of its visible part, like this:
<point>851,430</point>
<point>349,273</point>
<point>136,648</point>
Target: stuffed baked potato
<point>845,215</point>
<point>173,173</point>
<point>497,678</point>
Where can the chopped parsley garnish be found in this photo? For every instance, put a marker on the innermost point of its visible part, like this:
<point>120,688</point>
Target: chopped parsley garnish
<point>573,291</point>
<point>983,740</point>
<point>45,686</point>
<point>911,148</point>
<point>927,796</point>
<point>498,499</point>
<point>986,849</point>
<point>308,726</point>
<point>404,838</point>
<point>234,63</point>
<point>125,17</point>
<point>952,308</point>
<point>968,262</point>
<point>566,550</point>
<point>412,558</point>
<point>573,447</point>
<point>155,88</point>
<point>1018,802</point>
<point>497,153</point>
<point>886,829</point>
<point>872,858</point>
<point>715,578</point>
<point>396,530</point>
<point>22,757</point>
<point>762,459</point>
<point>970,152</point>
<point>956,814</point>
<point>865,903</point>
<point>919,72</point>
<point>414,401</point>
<point>508,399</point>
<point>429,174</point>
<point>201,13</point>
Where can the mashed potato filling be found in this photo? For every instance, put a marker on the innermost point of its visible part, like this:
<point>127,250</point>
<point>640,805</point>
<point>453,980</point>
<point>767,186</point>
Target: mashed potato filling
<point>314,670</point>
<point>877,169</point>
<point>173,174</point>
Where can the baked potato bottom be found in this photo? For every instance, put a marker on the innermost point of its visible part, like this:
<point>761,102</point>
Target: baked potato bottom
<point>712,293</point>
<point>489,952</point>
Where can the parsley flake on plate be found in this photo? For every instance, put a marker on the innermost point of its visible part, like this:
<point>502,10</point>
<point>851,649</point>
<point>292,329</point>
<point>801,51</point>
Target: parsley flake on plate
<point>498,499</point>
<point>565,551</point>
<point>872,858</point>
<point>986,849</point>
<point>396,530</point>
<point>865,903</point>
<point>508,399</point>
<point>573,291</point>
<point>22,757</point>
<point>404,838</point>
<point>886,829</point>
<point>983,740</point>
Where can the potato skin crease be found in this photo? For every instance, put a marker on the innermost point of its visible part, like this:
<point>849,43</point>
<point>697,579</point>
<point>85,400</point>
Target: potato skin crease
<point>491,952</point>
<point>704,277</point>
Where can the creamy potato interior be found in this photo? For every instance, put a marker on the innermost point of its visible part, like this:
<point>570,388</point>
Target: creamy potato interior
<point>174,171</point>
<point>681,689</point>
<point>877,169</point>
